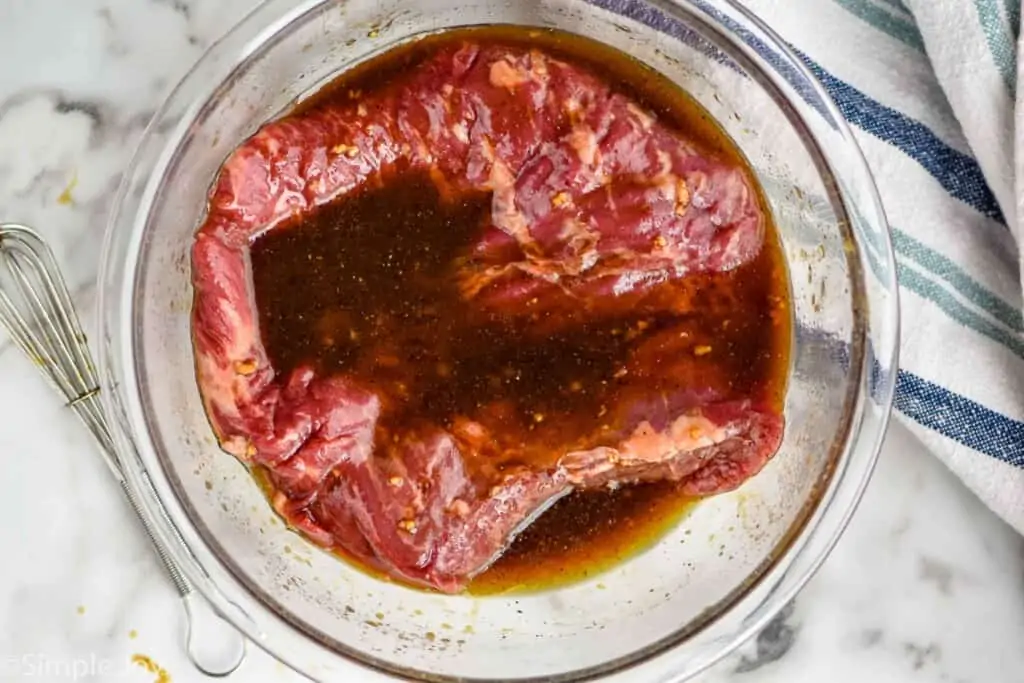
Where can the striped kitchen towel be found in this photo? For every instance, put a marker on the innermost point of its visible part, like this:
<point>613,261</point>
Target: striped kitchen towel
<point>929,88</point>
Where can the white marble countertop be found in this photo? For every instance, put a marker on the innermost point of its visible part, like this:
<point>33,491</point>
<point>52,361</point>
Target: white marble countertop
<point>926,586</point>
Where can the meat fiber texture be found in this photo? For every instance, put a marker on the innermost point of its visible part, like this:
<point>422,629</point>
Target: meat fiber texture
<point>592,199</point>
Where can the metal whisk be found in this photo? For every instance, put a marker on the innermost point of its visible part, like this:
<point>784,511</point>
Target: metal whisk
<point>38,314</point>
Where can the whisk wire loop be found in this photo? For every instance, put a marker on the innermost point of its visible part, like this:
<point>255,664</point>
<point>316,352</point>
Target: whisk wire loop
<point>36,310</point>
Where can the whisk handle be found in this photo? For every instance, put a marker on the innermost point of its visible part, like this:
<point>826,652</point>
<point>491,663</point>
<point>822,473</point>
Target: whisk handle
<point>181,583</point>
<point>214,646</point>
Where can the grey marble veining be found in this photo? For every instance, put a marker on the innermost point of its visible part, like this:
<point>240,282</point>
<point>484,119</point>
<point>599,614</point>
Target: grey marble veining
<point>926,586</point>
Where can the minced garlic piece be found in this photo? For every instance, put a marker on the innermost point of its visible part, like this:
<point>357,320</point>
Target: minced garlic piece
<point>682,197</point>
<point>246,367</point>
<point>347,150</point>
<point>560,199</point>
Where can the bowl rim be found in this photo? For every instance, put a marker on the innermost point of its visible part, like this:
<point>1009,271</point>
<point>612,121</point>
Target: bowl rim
<point>260,33</point>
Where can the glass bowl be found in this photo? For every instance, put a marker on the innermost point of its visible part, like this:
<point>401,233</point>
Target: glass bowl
<point>663,615</point>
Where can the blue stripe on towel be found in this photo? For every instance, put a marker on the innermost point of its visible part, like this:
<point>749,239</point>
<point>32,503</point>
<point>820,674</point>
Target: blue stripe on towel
<point>640,11</point>
<point>934,407</point>
<point>957,172</point>
<point>960,419</point>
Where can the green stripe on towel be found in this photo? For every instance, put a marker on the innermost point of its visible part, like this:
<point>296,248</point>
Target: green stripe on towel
<point>998,38</point>
<point>940,265</point>
<point>1013,17</point>
<point>914,281</point>
<point>896,27</point>
<point>935,293</point>
<point>898,5</point>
